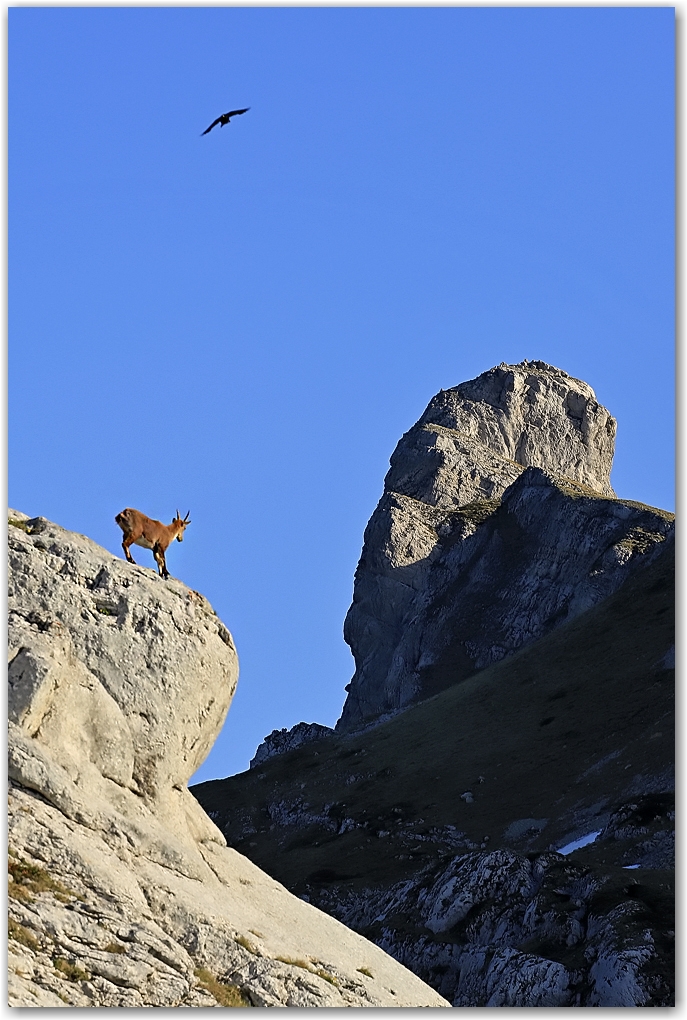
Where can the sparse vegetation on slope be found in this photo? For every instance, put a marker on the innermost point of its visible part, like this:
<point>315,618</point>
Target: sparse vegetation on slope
<point>560,739</point>
<point>225,993</point>
<point>27,880</point>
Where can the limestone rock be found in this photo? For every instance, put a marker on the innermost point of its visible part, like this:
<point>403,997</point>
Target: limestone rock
<point>111,666</point>
<point>497,523</point>
<point>526,415</point>
<point>280,741</point>
<point>123,892</point>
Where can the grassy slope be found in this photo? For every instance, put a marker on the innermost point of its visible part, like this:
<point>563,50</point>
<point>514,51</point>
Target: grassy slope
<point>559,730</point>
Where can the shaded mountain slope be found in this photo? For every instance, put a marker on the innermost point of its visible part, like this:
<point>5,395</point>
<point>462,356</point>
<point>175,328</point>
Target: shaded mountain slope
<point>572,734</point>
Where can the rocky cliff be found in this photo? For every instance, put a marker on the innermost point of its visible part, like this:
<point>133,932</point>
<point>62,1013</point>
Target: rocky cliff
<point>497,523</point>
<point>122,891</point>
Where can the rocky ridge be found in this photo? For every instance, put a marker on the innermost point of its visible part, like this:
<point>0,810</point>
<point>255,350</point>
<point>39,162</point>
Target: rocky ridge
<point>122,891</point>
<point>279,741</point>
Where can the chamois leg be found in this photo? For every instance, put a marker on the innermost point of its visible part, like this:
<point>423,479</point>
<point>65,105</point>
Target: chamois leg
<point>159,554</point>
<point>125,546</point>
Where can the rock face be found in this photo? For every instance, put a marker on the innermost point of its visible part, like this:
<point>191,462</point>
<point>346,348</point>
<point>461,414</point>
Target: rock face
<point>497,523</point>
<point>122,891</point>
<point>474,439</point>
<point>279,741</point>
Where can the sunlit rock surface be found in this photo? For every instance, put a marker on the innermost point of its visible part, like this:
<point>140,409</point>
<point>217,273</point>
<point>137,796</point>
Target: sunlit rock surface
<point>123,892</point>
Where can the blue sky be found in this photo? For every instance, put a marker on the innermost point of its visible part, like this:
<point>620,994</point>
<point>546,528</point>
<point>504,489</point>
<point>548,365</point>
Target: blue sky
<point>243,324</point>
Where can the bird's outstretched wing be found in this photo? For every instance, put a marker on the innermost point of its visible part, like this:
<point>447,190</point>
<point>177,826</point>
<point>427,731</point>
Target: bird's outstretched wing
<point>214,123</point>
<point>225,118</point>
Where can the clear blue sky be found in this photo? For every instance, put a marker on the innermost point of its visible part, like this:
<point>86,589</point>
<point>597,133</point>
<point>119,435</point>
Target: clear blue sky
<point>243,324</point>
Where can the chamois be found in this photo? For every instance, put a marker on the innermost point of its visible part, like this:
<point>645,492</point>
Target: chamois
<point>141,530</point>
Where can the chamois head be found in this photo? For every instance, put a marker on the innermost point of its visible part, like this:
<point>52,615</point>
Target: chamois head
<point>181,524</point>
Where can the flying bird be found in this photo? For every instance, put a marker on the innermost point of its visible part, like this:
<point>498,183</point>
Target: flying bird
<point>224,119</point>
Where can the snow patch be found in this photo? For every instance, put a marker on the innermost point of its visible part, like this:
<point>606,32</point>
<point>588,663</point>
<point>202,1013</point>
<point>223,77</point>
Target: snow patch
<point>577,843</point>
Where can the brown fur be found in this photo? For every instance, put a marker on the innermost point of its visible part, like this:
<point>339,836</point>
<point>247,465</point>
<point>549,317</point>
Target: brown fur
<point>151,534</point>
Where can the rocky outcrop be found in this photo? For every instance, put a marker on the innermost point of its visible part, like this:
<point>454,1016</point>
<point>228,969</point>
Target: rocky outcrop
<point>474,439</point>
<point>123,892</point>
<point>497,523</point>
<point>280,741</point>
<point>493,913</point>
<point>126,681</point>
